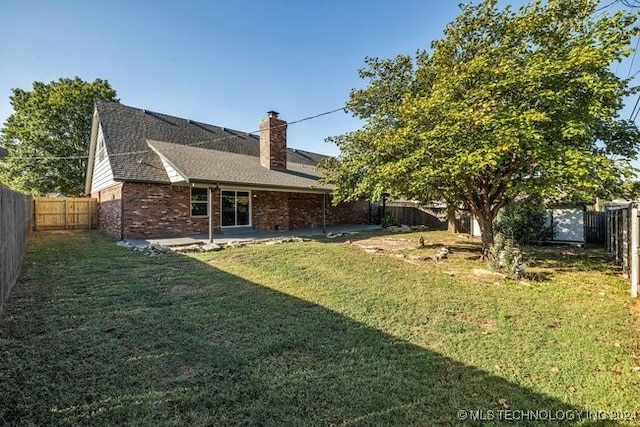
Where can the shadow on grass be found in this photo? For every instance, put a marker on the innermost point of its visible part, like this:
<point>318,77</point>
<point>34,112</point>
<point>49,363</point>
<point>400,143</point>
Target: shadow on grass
<point>97,335</point>
<point>563,259</point>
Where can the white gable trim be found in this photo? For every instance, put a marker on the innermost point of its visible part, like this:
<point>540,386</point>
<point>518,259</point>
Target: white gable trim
<point>102,176</point>
<point>174,175</point>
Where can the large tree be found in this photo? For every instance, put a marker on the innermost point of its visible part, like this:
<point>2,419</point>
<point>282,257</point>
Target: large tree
<point>47,136</point>
<point>509,103</point>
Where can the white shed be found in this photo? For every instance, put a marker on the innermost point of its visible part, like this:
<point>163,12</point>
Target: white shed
<point>568,224</point>
<point>567,221</point>
<point>475,227</point>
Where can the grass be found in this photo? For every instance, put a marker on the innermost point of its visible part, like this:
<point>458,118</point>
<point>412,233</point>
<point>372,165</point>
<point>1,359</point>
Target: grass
<point>311,333</point>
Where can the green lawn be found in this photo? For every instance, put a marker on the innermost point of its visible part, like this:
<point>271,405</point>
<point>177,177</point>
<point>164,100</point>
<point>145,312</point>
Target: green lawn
<point>312,333</point>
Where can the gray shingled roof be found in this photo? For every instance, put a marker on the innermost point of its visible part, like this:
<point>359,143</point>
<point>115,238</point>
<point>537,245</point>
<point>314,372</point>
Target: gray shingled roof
<point>127,129</point>
<point>213,166</point>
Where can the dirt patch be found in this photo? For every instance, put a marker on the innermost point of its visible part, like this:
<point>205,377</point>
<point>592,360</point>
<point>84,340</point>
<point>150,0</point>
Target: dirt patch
<point>188,371</point>
<point>487,325</point>
<point>389,244</point>
<point>417,249</point>
<point>183,289</point>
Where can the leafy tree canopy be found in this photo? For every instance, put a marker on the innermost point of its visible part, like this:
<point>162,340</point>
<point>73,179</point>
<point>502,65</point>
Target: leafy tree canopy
<point>507,103</point>
<point>47,136</point>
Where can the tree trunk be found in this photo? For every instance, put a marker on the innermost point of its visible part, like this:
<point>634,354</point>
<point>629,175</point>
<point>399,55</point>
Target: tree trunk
<point>485,221</point>
<point>452,226</point>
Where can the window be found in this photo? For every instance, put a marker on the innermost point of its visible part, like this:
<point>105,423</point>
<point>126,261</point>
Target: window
<point>236,208</point>
<point>199,201</point>
<point>101,150</point>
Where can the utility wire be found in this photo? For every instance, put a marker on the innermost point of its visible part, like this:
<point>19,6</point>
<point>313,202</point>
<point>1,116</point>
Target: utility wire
<point>634,112</point>
<point>631,3</point>
<point>208,141</point>
<point>633,58</point>
<point>606,6</point>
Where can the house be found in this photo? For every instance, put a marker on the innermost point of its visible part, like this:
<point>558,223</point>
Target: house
<point>158,175</point>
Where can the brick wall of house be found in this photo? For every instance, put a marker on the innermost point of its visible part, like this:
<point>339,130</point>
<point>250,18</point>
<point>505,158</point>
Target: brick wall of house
<point>162,210</point>
<point>110,210</point>
<point>289,211</point>
<point>349,213</point>
<point>270,210</point>
<point>137,210</point>
<point>305,210</point>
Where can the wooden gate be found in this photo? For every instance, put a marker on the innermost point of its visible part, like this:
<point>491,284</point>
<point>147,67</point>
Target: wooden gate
<point>65,213</point>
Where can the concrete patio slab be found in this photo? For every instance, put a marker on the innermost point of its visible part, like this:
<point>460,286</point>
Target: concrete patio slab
<point>244,235</point>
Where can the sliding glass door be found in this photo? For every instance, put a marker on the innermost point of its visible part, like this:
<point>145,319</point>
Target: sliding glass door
<point>236,208</point>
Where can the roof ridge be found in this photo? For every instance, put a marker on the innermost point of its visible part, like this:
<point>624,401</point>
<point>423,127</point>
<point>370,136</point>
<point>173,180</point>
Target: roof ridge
<point>187,120</point>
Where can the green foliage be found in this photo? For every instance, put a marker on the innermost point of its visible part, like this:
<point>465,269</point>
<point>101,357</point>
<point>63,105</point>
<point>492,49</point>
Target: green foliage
<point>50,121</point>
<point>387,219</point>
<point>630,190</point>
<point>523,221</point>
<point>507,103</point>
<point>506,256</point>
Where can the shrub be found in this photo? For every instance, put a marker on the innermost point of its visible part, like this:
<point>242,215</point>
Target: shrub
<point>523,221</point>
<point>505,255</point>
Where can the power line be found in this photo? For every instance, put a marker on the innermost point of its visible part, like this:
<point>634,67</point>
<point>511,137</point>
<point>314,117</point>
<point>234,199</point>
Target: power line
<point>208,141</point>
<point>635,107</point>
<point>633,58</point>
<point>606,6</point>
<point>631,3</point>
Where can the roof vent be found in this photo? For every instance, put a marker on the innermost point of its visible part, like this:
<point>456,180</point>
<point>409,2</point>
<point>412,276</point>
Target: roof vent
<point>273,113</point>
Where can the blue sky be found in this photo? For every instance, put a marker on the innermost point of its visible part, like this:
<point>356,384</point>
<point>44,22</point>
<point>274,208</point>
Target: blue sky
<point>219,62</point>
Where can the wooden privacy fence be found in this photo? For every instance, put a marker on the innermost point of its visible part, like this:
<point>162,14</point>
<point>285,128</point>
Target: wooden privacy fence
<point>411,213</point>
<point>65,213</point>
<point>623,238</point>
<point>15,225</point>
<point>595,227</point>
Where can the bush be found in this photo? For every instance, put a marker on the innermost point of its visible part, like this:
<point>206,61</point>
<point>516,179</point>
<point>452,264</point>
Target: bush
<point>523,221</point>
<point>388,220</point>
<point>506,256</point>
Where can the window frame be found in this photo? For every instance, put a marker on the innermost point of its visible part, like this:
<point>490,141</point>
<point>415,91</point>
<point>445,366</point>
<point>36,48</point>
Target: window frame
<point>199,202</point>
<point>235,197</point>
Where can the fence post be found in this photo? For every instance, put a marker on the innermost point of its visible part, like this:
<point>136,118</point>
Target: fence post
<point>66,213</point>
<point>35,214</point>
<point>635,273</point>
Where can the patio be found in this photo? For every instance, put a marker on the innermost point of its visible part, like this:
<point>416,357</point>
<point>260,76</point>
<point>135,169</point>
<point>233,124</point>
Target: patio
<point>243,235</point>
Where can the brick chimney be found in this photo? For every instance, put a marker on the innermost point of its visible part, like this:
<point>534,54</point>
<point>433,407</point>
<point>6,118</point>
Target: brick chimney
<point>273,142</point>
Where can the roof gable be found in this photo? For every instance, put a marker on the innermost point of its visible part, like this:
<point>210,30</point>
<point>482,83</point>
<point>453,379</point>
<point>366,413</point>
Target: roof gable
<point>198,164</point>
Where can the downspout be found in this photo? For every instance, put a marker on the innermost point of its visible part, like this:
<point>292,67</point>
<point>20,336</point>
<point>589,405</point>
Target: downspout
<point>122,212</point>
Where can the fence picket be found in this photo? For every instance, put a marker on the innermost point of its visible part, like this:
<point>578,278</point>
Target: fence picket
<point>15,226</point>
<point>67,213</point>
